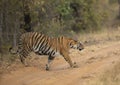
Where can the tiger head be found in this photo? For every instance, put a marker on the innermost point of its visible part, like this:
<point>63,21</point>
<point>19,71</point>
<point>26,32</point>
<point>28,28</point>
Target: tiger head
<point>76,45</point>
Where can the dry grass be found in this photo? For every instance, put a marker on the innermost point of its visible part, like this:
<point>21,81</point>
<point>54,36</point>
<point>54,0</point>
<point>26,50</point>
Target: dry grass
<point>100,37</point>
<point>110,77</point>
<point>6,62</point>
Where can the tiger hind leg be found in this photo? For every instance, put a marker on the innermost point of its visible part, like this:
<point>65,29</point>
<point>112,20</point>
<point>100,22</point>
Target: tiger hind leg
<point>23,60</point>
<point>50,59</point>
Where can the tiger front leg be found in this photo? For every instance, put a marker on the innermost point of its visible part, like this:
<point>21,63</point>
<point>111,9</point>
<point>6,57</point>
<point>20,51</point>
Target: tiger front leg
<point>68,59</point>
<point>50,59</point>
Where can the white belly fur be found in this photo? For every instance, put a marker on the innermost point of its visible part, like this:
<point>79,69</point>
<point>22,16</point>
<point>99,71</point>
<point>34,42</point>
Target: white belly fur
<point>57,54</point>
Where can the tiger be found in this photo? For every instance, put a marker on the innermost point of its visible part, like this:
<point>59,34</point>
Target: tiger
<point>42,44</point>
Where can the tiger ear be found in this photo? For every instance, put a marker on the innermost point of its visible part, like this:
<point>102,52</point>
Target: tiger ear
<point>75,37</point>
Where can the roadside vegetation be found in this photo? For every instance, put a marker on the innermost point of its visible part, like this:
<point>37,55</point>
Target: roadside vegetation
<point>90,21</point>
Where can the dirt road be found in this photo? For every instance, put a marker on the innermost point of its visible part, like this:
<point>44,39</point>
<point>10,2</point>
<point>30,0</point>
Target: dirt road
<point>92,61</point>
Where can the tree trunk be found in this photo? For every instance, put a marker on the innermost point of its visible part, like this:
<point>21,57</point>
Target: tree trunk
<point>15,38</point>
<point>27,17</point>
<point>1,23</point>
<point>119,9</point>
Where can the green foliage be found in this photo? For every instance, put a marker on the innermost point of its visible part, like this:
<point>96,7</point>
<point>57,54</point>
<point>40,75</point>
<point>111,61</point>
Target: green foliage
<point>92,15</point>
<point>88,18</point>
<point>113,1</point>
<point>56,17</point>
<point>64,9</point>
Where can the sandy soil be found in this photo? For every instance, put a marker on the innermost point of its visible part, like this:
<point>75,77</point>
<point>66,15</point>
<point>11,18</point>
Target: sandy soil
<point>92,61</point>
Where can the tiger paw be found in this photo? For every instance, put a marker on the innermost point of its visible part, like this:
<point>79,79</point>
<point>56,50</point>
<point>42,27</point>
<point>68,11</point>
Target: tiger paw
<point>75,65</point>
<point>26,65</point>
<point>47,68</point>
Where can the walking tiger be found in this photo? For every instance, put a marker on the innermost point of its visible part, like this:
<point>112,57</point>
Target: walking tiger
<point>45,45</point>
